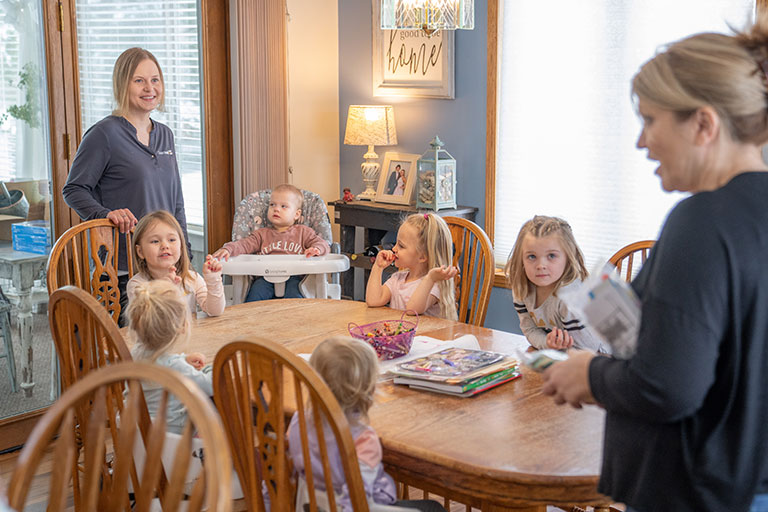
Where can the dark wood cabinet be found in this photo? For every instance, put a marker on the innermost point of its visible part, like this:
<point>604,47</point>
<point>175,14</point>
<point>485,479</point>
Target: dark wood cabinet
<point>375,220</point>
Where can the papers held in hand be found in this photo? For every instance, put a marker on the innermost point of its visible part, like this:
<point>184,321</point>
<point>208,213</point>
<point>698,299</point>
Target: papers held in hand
<point>457,371</point>
<point>609,307</point>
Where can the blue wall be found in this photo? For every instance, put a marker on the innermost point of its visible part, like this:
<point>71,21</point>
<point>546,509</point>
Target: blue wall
<point>459,122</point>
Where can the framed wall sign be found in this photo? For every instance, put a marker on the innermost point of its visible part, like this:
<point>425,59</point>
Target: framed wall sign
<point>408,63</point>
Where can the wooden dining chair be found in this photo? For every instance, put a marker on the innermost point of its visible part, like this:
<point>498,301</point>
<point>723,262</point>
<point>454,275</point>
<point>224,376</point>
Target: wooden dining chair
<point>85,336</point>
<point>87,256</point>
<point>473,256</point>
<point>105,414</point>
<point>624,259</point>
<point>86,339</point>
<point>256,384</point>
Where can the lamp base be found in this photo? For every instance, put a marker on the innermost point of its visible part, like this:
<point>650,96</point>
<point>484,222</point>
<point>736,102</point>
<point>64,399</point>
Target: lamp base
<point>370,169</point>
<point>366,195</point>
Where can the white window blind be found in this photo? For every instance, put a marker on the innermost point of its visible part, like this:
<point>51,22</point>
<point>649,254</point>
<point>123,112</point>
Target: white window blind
<point>10,94</point>
<point>170,30</point>
<point>568,126</point>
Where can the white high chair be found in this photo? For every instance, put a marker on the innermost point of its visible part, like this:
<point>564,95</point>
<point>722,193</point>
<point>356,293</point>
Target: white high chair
<point>251,214</point>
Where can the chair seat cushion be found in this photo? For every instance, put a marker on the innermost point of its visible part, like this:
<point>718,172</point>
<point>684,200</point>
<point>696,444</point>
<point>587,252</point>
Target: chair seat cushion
<point>251,214</point>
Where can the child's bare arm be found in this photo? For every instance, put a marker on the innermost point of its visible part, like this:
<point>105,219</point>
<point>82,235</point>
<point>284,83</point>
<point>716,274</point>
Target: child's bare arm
<point>422,298</point>
<point>376,294</point>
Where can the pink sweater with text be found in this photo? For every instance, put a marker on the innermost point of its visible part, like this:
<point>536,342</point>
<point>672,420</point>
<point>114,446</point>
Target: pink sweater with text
<point>295,240</point>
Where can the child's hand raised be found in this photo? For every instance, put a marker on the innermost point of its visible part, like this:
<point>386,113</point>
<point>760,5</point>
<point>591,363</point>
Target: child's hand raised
<point>559,339</point>
<point>173,276</point>
<point>211,265</point>
<point>221,254</point>
<point>196,360</point>
<point>312,251</point>
<point>385,259</point>
<point>443,273</point>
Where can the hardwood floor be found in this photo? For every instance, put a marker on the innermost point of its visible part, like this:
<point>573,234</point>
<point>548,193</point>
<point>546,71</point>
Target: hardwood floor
<point>37,499</point>
<point>38,492</point>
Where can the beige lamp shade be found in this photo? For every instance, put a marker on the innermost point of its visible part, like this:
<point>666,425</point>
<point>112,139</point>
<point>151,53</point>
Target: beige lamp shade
<point>370,125</point>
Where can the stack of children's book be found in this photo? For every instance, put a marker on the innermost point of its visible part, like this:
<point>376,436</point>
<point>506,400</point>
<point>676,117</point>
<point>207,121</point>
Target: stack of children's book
<point>457,371</point>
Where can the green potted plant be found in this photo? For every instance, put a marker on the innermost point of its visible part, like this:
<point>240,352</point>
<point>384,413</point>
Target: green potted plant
<point>29,112</point>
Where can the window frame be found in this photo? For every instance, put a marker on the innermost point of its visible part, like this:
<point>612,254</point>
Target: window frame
<point>217,121</point>
<point>495,14</point>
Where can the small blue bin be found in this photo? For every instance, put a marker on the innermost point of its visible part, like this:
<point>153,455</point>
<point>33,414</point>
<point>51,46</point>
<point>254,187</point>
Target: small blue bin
<point>32,236</point>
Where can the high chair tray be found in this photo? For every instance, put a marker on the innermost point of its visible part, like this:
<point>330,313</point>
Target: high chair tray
<point>284,264</point>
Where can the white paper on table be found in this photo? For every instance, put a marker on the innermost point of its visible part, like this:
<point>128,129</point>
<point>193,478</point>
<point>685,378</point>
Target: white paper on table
<point>609,307</point>
<point>423,345</point>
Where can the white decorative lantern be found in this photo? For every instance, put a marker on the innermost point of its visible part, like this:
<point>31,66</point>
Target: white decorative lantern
<point>436,178</point>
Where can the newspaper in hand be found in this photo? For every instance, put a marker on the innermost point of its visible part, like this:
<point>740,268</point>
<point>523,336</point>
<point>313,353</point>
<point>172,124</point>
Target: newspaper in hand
<point>609,307</point>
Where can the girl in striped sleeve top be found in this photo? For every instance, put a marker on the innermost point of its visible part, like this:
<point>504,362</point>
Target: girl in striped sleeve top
<point>545,260</point>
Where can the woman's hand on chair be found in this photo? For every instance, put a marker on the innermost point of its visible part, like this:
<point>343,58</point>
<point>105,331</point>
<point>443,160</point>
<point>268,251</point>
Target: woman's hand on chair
<point>221,254</point>
<point>123,219</point>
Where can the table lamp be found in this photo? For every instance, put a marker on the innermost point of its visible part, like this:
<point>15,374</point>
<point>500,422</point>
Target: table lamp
<point>370,125</point>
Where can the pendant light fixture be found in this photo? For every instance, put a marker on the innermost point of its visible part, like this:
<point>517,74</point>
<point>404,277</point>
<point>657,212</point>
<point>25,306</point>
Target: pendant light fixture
<point>427,15</point>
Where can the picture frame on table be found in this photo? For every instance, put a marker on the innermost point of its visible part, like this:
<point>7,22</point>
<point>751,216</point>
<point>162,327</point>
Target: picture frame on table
<point>410,63</point>
<point>397,179</point>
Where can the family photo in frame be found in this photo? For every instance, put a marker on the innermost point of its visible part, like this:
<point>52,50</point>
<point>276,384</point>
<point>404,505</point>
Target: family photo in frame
<point>397,179</point>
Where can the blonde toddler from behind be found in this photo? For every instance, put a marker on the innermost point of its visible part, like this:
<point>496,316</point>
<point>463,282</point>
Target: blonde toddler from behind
<point>159,323</point>
<point>424,283</point>
<point>544,261</point>
<point>350,369</point>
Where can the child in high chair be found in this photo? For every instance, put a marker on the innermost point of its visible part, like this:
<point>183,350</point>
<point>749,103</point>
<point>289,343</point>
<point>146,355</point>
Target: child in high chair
<point>544,261</point>
<point>284,237</point>
<point>160,253</point>
<point>424,282</point>
<point>158,321</point>
<point>350,368</point>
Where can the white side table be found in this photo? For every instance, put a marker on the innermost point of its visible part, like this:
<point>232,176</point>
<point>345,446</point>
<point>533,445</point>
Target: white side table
<point>22,268</point>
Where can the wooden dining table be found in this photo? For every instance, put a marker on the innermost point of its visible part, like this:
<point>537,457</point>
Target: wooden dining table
<point>509,448</point>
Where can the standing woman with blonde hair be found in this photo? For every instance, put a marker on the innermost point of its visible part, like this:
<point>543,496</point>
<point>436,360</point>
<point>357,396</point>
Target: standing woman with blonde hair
<point>125,166</point>
<point>687,416</point>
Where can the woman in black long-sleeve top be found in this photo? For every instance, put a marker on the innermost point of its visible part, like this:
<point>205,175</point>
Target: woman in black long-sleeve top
<point>687,415</point>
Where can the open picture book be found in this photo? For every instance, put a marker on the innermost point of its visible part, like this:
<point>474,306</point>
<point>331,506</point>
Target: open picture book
<point>453,365</point>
